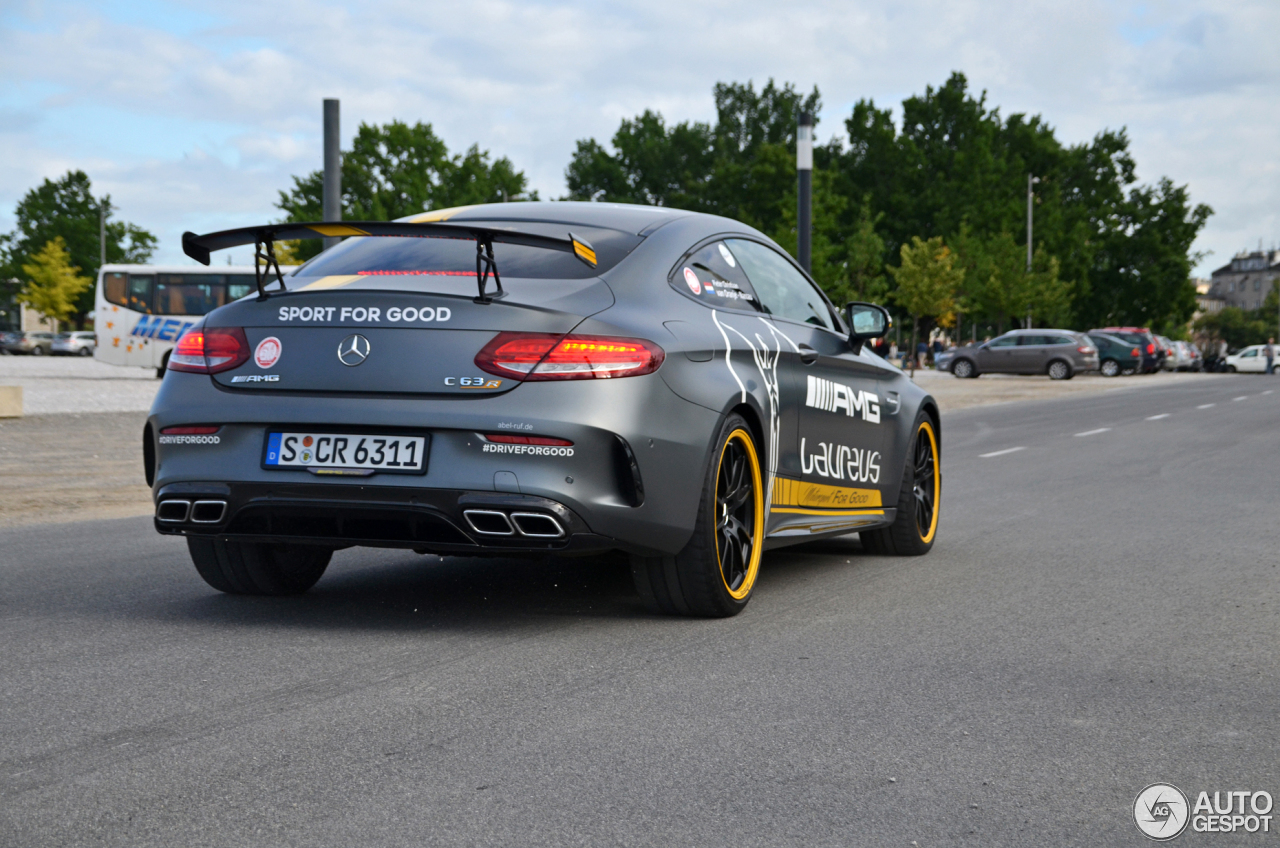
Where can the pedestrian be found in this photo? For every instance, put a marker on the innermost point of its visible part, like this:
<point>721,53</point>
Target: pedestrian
<point>1270,353</point>
<point>922,353</point>
<point>893,351</point>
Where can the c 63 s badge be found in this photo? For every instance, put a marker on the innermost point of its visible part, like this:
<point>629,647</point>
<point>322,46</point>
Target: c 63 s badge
<point>256,378</point>
<point>473,382</point>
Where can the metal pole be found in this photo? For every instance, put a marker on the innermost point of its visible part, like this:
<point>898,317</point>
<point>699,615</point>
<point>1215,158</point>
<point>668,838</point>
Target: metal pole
<point>102,234</point>
<point>804,167</point>
<point>1030,201</point>
<point>332,168</point>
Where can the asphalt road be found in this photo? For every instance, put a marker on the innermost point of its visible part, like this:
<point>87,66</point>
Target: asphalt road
<point>1099,614</point>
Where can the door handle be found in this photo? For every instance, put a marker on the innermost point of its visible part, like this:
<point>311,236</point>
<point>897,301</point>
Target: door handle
<point>808,355</point>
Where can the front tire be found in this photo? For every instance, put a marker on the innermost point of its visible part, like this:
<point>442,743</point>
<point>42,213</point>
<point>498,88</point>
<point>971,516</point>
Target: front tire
<point>1059,370</point>
<point>1110,368</point>
<point>716,572</point>
<point>257,568</point>
<point>963,369</point>
<point>916,526</point>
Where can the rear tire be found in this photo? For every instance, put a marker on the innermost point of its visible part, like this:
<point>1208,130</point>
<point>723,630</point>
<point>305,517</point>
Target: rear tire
<point>37,351</point>
<point>1059,370</point>
<point>258,568</point>
<point>916,526</point>
<point>1110,368</point>
<point>964,369</point>
<point>716,572</point>
<point>86,351</point>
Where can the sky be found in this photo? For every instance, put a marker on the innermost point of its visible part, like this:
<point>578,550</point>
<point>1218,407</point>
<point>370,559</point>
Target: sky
<point>193,116</point>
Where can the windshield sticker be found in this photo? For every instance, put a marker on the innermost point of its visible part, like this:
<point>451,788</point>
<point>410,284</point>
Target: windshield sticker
<point>834,397</point>
<point>363,314</point>
<point>691,279</point>
<point>728,257</point>
<point>839,462</point>
<point>268,351</point>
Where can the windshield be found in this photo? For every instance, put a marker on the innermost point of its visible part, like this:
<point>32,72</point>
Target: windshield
<point>456,257</point>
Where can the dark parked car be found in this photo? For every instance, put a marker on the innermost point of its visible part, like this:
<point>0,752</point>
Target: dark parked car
<point>1059,353</point>
<point>1116,356</point>
<point>1153,354</point>
<point>36,344</point>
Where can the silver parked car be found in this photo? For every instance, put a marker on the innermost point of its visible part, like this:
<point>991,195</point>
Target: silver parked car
<point>1059,353</point>
<point>36,344</point>
<point>78,343</point>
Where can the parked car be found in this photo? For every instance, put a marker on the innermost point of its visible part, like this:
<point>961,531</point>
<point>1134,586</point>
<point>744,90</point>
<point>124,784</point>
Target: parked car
<point>1152,353</point>
<point>36,344</point>
<point>1059,353</point>
<point>79,343</point>
<point>1249,360</point>
<point>1188,357</point>
<point>1115,355</point>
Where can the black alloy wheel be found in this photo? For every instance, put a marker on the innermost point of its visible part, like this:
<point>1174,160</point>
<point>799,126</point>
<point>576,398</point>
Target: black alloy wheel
<point>925,487</point>
<point>735,515</point>
<point>915,525</point>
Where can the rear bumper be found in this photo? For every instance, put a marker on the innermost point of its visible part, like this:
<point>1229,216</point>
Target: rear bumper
<point>442,521</point>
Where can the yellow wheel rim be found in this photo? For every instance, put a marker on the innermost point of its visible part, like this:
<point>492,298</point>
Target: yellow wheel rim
<point>739,518</point>
<point>927,482</point>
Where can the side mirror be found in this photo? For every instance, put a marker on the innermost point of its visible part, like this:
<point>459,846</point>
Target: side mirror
<point>866,321</point>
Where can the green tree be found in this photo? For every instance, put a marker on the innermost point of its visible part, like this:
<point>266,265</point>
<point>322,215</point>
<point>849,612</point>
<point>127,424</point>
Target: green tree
<point>52,284</point>
<point>927,284</point>
<point>65,208</point>
<point>395,170</point>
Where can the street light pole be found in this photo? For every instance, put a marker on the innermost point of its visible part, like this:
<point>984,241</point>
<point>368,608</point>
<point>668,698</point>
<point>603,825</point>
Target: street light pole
<point>804,212</point>
<point>1030,204</point>
<point>332,169</point>
<point>102,234</point>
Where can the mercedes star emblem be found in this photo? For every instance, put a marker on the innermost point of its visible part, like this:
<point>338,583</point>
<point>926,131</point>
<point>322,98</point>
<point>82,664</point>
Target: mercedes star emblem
<point>353,350</point>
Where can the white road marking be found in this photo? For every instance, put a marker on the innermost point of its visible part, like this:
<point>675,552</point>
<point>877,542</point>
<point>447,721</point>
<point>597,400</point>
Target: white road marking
<point>1267,392</point>
<point>999,452</point>
<point>1157,417</point>
<point>1242,397</point>
<point>1205,405</point>
<point>1094,432</point>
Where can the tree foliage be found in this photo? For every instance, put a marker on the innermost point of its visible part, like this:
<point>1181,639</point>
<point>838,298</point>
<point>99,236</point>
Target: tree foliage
<point>66,209</point>
<point>1106,249</point>
<point>395,170</point>
<point>53,284</point>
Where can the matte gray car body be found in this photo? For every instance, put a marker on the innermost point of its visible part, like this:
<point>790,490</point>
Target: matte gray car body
<point>824,416</point>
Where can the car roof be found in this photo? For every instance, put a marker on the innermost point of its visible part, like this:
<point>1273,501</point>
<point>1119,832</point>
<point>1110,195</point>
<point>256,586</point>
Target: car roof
<point>625,217</point>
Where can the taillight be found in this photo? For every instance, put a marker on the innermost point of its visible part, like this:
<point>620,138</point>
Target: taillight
<point>1151,348</point>
<point>208,351</point>
<point>190,431</point>
<point>508,439</point>
<point>1136,352</point>
<point>1086,349</point>
<point>540,356</point>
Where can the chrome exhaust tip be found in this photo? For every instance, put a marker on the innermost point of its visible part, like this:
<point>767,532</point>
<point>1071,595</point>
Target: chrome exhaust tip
<point>488,522</point>
<point>208,512</point>
<point>537,525</point>
<point>173,511</point>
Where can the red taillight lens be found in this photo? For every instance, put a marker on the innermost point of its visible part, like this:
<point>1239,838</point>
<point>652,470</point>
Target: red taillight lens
<point>508,439</point>
<point>209,351</point>
<point>539,356</point>
<point>190,431</point>
<point>1137,352</point>
<point>1151,348</point>
<point>1085,349</point>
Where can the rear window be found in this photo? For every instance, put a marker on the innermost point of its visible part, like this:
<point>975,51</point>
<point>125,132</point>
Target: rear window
<point>448,257</point>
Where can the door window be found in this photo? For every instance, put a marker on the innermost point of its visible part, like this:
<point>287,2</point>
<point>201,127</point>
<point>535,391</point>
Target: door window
<point>713,274</point>
<point>783,290</point>
<point>140,293</point>
<point>1005,341</point>
<point>114,286</point>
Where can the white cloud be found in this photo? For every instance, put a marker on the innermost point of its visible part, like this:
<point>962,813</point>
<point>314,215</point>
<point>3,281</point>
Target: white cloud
<point>211,120</point>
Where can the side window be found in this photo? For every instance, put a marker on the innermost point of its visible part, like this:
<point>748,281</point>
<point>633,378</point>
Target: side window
<point>783,290</point>
<point>114,287</point>
<point>713,274</point>
<point>239,285</point>
<point>187,295</point>
<point>1005,341</point>
<point>140,293</point>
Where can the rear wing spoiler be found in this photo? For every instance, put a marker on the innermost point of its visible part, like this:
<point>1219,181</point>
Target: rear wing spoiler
<point>263,239</point>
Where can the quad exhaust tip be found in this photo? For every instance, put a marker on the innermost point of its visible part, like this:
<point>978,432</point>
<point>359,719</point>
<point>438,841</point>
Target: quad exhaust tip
<point>180,511</point>
<point>534,525</point>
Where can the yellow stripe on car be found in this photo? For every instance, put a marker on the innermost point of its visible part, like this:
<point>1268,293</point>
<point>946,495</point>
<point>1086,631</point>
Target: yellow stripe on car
<point>332,230</point>
<point>332,282</point>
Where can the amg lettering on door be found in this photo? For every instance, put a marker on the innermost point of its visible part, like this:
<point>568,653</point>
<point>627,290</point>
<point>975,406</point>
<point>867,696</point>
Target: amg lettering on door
<point>834,397</point>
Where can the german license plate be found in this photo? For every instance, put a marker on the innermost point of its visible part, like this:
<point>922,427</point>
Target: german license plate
<point>402,454</point>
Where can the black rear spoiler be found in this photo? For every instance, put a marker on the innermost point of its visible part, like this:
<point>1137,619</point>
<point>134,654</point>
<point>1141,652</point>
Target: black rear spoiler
<point>263,239</point>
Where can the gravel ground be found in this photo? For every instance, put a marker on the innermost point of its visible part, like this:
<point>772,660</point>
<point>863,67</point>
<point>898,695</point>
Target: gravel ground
<point>53,384</point>
<point>952,393</point>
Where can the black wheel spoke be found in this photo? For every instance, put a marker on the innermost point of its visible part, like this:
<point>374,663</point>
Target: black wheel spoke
<point>735,514</point>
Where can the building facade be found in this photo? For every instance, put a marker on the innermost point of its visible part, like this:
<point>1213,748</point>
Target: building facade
<point>1245,281</point>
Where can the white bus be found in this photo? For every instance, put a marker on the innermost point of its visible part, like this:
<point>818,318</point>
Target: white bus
<point>141,310</point>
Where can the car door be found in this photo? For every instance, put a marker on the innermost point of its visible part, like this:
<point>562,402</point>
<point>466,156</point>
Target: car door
<point>997,355</point>
<point>840,396</point>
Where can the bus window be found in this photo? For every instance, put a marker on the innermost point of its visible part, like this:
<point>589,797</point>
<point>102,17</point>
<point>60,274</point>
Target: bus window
<point>140,293</point>
<point>114,286</point>
<point>239,285</point>
<point>177,294</point>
